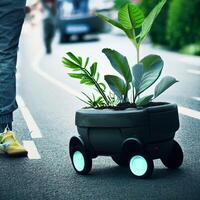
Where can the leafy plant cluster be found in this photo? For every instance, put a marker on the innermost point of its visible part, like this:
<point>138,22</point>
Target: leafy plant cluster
<point>88,75</point>
<point>133,81</point>
<point>178,25</point>
<point>183,25</point>
<point>120,3</point>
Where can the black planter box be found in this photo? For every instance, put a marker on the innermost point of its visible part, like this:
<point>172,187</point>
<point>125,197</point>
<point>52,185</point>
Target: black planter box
<point>122,133</point>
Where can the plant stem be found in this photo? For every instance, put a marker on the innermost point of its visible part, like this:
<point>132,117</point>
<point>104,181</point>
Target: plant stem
<point>96,85</point>
<point>138,60</point>
<point>138,53</point>
<point>126,94</point>
<point>137,46</point>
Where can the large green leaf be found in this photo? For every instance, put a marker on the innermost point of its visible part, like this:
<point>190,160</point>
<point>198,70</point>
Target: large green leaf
<point>119,63</point>
<point>130,16</point>
<point>164,84</point>
<point>110,21</point>
<point>152,68</point>
<point>137,74</point>
<point>144,100</point>
<point>148,21</point>
<point>117,85</point>
<point>131,35</point>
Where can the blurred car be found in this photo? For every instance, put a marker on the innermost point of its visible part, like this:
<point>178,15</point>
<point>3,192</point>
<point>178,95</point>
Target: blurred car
<point>77,22</point>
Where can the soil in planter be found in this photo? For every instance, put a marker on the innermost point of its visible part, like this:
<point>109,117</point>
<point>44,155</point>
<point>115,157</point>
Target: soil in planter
<point>123,106</point>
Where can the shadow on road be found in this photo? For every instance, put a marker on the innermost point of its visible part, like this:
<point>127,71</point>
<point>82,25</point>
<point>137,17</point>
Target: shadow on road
<point>124,173</point>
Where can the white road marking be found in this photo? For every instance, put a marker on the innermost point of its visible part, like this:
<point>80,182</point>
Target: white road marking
<point>32,126</point>
<point>191,60</point>
<point>196,98</point>
<point>56,82</point>
<point>18,76</point>
<point>192,71</point>
<point>189,112</point>
<point>30,146</point>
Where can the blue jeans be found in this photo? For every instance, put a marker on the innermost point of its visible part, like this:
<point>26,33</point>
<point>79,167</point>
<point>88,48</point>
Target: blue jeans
<point>12,14</point>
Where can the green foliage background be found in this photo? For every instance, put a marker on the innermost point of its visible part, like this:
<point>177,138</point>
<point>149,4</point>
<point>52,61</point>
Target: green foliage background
<point>120,3</point>
<point>158,31</point>
<point>183,26</point>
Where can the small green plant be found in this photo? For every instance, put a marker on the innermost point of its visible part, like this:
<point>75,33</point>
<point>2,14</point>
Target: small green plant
<point>88,75</point>
<point>131,20</point>
<point>136,79</point>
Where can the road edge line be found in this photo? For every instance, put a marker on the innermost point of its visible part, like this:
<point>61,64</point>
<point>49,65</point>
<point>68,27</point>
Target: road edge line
<point>30,146</point>
<point>30,122</point>
<point>189,112</point>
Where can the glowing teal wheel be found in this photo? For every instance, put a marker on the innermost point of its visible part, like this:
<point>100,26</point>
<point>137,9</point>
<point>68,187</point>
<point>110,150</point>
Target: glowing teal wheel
<point>141,165</point>
<point>81,161</point>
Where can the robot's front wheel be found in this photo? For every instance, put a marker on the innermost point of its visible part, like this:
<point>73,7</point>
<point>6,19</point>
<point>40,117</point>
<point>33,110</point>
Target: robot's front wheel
<point>141,165</point>
<point>174,158</point>
<point>81,161</point>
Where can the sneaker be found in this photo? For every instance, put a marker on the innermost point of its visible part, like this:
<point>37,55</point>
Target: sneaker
<point>10,146</point>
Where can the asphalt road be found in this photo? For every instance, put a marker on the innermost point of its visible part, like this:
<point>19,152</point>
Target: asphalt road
<point>47,95</point>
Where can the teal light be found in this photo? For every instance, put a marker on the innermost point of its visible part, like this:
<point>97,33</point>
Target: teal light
<point>79,161</point>
<point>138,165</point>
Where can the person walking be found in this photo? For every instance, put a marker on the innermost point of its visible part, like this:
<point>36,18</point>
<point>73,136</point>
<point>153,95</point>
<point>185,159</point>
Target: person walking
<point>12,15</point>
<point>49,7</point>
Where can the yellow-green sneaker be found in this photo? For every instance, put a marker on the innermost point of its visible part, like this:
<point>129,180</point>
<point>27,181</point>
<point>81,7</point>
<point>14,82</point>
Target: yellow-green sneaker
<point>10,146</point>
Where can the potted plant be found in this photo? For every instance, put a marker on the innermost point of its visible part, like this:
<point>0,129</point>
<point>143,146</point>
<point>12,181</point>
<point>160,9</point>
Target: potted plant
<point>131,128</point>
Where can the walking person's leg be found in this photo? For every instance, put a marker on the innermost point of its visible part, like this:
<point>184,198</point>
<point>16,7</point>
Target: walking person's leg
<point>49,32</point>
<point>11,19</point>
